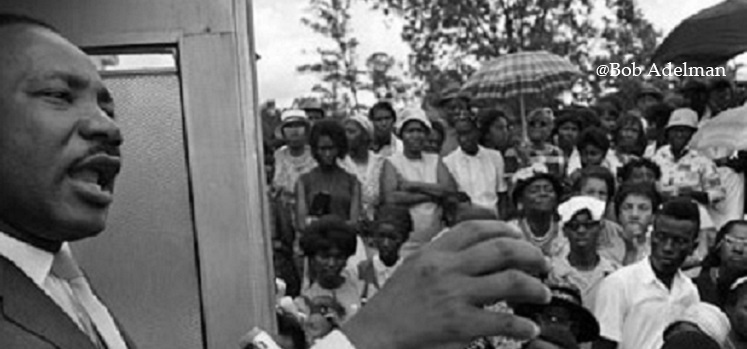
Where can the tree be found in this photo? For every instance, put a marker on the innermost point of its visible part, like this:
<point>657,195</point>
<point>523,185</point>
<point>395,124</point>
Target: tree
<point>337,65</point>
<point>454,36</point>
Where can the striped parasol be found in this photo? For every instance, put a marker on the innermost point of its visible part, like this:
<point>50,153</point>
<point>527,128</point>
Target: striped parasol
<point>519,75</point>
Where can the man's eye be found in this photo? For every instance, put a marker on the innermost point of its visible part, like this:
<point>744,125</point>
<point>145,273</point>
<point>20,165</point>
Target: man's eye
<point>59,96</point>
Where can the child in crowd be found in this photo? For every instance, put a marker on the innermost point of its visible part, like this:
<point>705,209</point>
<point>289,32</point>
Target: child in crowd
<point>389,231</point>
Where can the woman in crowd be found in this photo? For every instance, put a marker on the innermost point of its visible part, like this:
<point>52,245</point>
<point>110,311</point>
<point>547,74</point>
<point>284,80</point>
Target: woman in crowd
<point>327,244</point>
<point>383,117</point>
<point>635,206</point>
<point>608,108</point>
<point>684,171</point>
<point>416,180</point>
<point>435,138</point>
<point>294,158</point>
<point>597,182</point>
<point>539,149</point>
<point>735,307</point>
<point>583,267</point>
<point>494,129</point>
<point>593,145</point>
<point>726,261</point>
<point>536,195</point>
<point>327,189</point>
<point>630,140</point>
<point>362,162</point>
<point>641,170</point>
<point>290,162</point>
<point>567,128</point>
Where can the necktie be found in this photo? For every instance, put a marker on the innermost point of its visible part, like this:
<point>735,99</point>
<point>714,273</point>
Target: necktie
<point>94,318</point>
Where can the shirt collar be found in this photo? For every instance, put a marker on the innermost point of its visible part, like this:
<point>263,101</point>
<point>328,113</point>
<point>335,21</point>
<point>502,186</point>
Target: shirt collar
<point>33,261</point>
<point>379,266</point>
<point>648,276</point>
<point>477,155</point>
<point>668,151</point>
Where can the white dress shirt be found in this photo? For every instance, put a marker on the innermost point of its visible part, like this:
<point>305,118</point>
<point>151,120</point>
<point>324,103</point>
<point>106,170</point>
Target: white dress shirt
<point>634,307</point>
<point>481,176</point>
<point>68,293</point>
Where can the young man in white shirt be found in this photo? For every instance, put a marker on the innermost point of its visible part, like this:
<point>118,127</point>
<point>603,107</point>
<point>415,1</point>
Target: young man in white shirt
<point>478,171</point>
<point>636,303</point>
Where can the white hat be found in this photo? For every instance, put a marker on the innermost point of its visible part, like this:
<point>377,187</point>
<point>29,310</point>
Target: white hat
<point>412,113</point>
<point>709,319</point>
<point>683,117</point>
<point>576,204</point>
<point>310,103</point>
<point>288,116</point>
<point>364,122</point>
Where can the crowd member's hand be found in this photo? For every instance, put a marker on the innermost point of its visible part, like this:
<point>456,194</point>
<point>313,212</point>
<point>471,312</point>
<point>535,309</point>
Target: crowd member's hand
<point>436,297</point>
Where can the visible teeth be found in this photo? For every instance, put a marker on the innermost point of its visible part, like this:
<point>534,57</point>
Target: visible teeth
<point>88,176</point>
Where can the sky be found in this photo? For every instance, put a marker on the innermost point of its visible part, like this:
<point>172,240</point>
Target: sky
<point>284,43</point>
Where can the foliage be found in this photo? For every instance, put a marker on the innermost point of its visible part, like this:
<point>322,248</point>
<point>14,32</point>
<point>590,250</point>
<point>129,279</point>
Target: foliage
<point>450,38</point>
<point>337,64</point>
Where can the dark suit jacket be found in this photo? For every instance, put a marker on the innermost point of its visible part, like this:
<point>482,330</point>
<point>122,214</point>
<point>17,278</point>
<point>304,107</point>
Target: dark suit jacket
<point>29,319</point>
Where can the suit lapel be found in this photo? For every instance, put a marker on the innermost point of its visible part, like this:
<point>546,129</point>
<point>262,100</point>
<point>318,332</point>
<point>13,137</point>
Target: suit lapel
<point>30,308</point>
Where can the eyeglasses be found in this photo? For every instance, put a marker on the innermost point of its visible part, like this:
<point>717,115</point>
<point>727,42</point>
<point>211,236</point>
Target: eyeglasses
<point>735,242</point>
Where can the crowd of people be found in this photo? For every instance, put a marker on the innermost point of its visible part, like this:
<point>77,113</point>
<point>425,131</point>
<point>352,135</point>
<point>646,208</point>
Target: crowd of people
<point>407,229</point>
<point>641,229</point>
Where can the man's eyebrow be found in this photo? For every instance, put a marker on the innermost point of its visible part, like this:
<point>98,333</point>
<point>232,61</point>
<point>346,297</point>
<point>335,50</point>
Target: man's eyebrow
<point>75,81</point>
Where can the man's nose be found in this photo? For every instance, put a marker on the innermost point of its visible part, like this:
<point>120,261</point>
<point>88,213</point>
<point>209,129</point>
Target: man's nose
<point>668,244</point>
<point>101,127</point>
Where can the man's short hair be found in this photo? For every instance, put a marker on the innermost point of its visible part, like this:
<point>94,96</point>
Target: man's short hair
<point>8,19</point>
<point>593,136</point>
<point>681,209</point>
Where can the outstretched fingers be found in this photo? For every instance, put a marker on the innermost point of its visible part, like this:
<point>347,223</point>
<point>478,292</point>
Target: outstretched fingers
<point>469,233</point>
<point>494,255</point>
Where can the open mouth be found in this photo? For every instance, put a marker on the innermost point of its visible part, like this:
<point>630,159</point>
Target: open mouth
<point>95,177</point>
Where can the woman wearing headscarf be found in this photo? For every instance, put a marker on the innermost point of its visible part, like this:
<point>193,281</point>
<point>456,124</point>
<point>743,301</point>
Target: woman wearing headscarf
<point>362,162</point>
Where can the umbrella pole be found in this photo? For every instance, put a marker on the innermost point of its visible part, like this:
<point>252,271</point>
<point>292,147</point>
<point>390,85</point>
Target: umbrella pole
<point>525,137</point>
